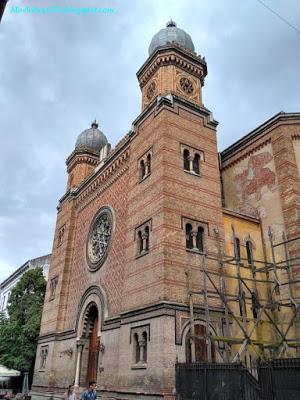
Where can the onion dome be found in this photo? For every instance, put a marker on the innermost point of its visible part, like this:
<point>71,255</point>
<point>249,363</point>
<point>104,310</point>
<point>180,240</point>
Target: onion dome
<point>171,34</point>
<point>92,138</point>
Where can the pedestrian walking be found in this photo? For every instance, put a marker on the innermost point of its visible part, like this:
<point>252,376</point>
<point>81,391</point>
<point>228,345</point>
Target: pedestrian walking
<point>90,393</point>
<point>69,393</point>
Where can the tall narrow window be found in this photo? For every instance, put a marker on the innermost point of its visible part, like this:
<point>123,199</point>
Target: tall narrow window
<point>189,237</point>
<point>237,249</point>
<point>249,248</point>
<point>140,242</point>
<point>53,285</point>
<point>186,162</point>
<point>142,169</point>
<point>142,236</point>
<point>255,304</point>
<point>136,348</point>
<point>144,344</point>
<point>149,163</point>
<point>196,164</point>
<point>146,234</point>
<point>199,238</point>
<point>140,337</point>
<point>44,354</point>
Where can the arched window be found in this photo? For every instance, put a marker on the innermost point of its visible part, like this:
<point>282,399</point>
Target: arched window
<point>186,162</point>
<point>142,169</point>
<point>199,238</point>
<point>136,348</point>
<point>200,345</point>
<point>255,304</point>
<point>145,347</point>
<point>189,237</point>
<point>149,163</point>
<point>147,238</point>
<point>196,164</point>
<point>249,247</point>
<point>237,249</point>
<point>140,242</point>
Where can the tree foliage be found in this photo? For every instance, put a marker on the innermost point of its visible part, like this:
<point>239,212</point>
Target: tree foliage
<point>19,332</point>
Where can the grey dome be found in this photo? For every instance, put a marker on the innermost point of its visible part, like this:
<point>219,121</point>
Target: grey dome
<point>92,138</point>
<point>171,34</point>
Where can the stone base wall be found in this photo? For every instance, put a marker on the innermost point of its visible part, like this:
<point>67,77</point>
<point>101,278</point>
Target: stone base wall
<point>110,395</point>
<point>119,375</point>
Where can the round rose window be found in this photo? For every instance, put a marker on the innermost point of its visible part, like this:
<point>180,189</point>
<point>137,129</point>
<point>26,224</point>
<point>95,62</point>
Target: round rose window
<point>99,238</point>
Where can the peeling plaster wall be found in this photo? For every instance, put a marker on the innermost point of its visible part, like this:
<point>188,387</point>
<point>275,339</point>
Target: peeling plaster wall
<point>251,187</point>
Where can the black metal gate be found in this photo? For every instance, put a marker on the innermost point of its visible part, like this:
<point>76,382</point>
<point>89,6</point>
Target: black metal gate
<point>280,379</point>
<point>277,380</point>
<point>211,381</point>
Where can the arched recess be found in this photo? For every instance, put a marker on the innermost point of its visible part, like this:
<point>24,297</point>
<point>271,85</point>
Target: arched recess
<point>93,295</point>
<point>201,346</point>
<point>92,311</point>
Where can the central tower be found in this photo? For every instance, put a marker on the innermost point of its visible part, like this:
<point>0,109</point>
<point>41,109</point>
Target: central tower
<point>174,206</point>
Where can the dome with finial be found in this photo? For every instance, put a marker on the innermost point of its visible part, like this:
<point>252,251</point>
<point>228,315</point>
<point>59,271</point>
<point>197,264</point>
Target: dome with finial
<point>171,34</point>
<point>92,138</point>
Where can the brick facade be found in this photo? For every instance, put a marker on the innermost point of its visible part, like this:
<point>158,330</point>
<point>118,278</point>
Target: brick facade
<point>162,179</point>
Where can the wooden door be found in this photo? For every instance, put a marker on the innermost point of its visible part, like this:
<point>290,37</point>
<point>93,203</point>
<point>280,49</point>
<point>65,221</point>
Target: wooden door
<point>93,354</point>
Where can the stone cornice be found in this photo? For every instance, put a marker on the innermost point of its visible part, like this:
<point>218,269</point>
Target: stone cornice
<point>172,55</point>
<point>82,152</point>
<point>164,103</point>
<point>138,314</point>
<point>255,135</point>
<point>82,159</point>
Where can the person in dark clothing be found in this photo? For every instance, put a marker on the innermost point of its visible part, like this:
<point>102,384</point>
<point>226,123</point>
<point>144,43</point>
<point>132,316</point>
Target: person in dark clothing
<point>90,393</point>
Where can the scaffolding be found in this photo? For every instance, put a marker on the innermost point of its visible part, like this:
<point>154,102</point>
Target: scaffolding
<point>268,289</point>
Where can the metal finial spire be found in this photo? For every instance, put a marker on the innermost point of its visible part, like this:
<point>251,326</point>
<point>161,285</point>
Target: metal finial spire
<point>171,23</point>
<point>94,124</point>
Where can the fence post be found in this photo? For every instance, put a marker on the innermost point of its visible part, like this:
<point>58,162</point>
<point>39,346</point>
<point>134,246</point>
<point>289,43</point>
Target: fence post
<point>205,383</point>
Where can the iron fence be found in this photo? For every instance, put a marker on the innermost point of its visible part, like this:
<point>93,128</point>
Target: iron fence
<point>277,380</point>
<point>212,381</point>
<point>280,379</point>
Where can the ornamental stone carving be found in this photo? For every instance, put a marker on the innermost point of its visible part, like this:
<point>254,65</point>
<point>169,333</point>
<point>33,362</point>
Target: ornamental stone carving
<point>151,90</point>
<point>99,238</point>
<point>186,85</point>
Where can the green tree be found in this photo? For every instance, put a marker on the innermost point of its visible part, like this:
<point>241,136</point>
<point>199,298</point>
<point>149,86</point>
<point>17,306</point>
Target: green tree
<point>19,332</point>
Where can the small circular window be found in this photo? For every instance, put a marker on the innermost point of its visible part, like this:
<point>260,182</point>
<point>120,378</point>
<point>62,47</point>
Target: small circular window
<point>186,85</point>
<point>99,238</point>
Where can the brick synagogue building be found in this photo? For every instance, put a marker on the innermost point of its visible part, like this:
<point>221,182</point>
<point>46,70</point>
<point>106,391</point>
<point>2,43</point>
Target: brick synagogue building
<point>166,250</point>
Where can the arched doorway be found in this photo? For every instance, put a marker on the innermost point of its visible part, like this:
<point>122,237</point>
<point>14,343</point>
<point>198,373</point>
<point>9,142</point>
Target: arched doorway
<point>88,345</point>
<point>92,309</point>
<point>200,345</point>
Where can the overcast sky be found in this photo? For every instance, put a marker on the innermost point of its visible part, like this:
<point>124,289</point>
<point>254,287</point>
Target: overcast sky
<point>58,72</point>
